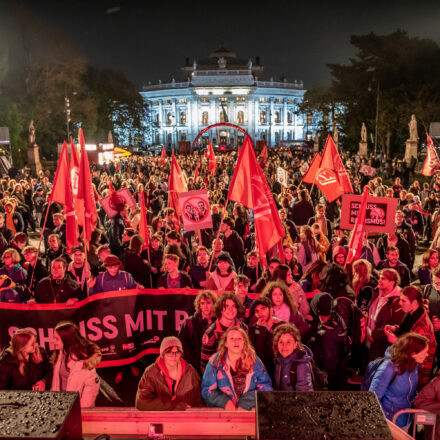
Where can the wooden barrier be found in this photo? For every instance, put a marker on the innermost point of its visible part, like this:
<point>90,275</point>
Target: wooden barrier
<point>194,423</point>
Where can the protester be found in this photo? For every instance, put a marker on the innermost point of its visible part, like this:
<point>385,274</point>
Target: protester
<point>234,374</point>
<point>223,277</point>
<point>429,264</point>
<point>173,278</point>
<point>74,363</point>
<point>170,383</point>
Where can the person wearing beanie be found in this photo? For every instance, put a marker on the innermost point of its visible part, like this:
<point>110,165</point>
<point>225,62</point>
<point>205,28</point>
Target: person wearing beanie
<point>223,276</point>
<point>171,383</point>
<point>327,339</point>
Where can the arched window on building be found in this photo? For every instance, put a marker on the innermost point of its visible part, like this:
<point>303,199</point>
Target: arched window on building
<point>183,136</point>
<point>205,118</point>
<point>169,118</point>
<point>183,118</point>
<point>262,117</point>
<point>277,118</point>
<point>289,117</point>
<point>240,117</point>
<point>222,116</point>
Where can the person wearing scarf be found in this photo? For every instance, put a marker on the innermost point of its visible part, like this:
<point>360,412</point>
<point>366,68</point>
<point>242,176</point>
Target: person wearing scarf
<point>415,320</point>
<point>170,384</point>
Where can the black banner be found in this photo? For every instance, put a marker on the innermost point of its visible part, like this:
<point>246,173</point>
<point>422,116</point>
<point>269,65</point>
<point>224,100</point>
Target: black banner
<point>126,324</point>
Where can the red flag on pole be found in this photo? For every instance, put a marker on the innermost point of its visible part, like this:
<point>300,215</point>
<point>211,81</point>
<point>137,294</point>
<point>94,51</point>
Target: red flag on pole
<point>176,184</point>
<point>263,156</point>
<point>86,193</point>
<point>143,225</point>
<point>62,193</point>
<point>74,177</point>
<point>332,161</point>
<point>310,175</point>
<point>163,156</point>
<point>249,187</point>
<point>212,164</point>
<point>432,162</point>
<point>357,237</point>
<point>327,182</point>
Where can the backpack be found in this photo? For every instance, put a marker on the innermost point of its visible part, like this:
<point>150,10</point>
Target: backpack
<point>319,377</point>
<point>352,318</point>
<point>370,371</point>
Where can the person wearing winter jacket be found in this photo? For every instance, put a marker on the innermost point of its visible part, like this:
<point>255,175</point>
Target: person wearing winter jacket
<point>234,373</point>
<point>75,360</point>
<point>232,242</point>
<point>24,365</point>
<point>171,383</point>
<point>222,278</point>
<point>292,360</point>
<point>395,380</point>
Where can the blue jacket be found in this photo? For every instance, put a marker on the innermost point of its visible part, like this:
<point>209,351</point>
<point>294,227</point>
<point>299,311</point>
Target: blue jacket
<point>106,283</point>
<point>296,364</point>
<point>218,388</point>
<point>397,395</point>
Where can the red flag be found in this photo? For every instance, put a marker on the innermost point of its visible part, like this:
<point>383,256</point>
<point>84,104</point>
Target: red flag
<point>62,193</point>
<point>74,177</point>
<point>327,182</point>
<point>332,161</point>
<point>249,187</point>
<point>432,162</point>
<point>357,237</point>
<point>263,156</point>
<point>310,175</point>
<point>86,193</point>
<point>163,156</point>
<point>196,172</point>
<point>143,225</point>
<point>211,158</point>
<point>176,184</point>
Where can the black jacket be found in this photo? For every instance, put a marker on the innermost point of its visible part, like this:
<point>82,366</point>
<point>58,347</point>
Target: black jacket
<point>134,264</point>
<point>402,270</point>
<point>50,291</point>
<point>11,378</point>
<point>234,245</point>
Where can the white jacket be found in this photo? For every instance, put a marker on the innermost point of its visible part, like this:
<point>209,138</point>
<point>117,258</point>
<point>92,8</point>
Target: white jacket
<point>81,379</point>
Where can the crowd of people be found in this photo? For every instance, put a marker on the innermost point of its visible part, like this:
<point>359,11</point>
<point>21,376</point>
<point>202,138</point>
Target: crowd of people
<point>305,320</point>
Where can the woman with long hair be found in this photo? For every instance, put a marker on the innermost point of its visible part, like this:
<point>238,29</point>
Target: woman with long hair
<point>416,320</point>
<point>234,374</point>
<point>292,262</point>
<point>395,380</point>
<point>292,360</point>
<point>171,383</point>
<point>363,283</point>
<point>284,306</point>
<point>283,273</point>
<point>223,276</point>
<point>429,264</point>
<point>24,365</point>
<point>75,359</point>
<point>322,240</point>
<point>308,252</point>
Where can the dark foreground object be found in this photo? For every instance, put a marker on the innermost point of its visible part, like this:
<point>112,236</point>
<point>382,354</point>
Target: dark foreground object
<point>319,415</point>
<point>38,415</point>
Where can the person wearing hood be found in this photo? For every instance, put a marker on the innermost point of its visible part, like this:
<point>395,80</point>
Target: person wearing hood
<point>292,360</point>
<point>171,383</point>
<point>327,338</point>
<point>223,276</point>
<point>13,219</point>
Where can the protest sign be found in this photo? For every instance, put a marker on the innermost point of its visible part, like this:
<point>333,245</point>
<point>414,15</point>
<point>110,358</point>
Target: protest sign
<point>282,176</point>
<point>380,216</point>
<point>127,324</point>
<point>123,196</point>
<point>196,213</point>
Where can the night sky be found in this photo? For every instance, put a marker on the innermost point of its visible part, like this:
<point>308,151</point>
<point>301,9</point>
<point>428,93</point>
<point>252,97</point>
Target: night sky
<point>150,40</point>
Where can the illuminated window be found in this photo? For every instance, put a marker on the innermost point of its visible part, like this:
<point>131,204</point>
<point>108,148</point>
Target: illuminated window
<point>168,101</point>
<point>240,117</point>
<point>222,116</point>
<point>277,100</point>
<point>223,99</point>
<point>263,99</point>
<point>156,102</point>
<point>169,118</point>
<point>241,98</point>
<point>182,100</point>
<point>289,101</point>
<point>205,118</point>
<point>183,118</point>
<point>262,117</point>
<point>277,118</point>
<point>204,100</point>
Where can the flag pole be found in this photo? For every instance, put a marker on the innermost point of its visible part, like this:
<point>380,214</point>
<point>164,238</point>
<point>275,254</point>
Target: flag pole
<point>49,203</point>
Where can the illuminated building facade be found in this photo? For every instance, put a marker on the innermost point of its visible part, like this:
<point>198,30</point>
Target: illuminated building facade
<point>224,88</point>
